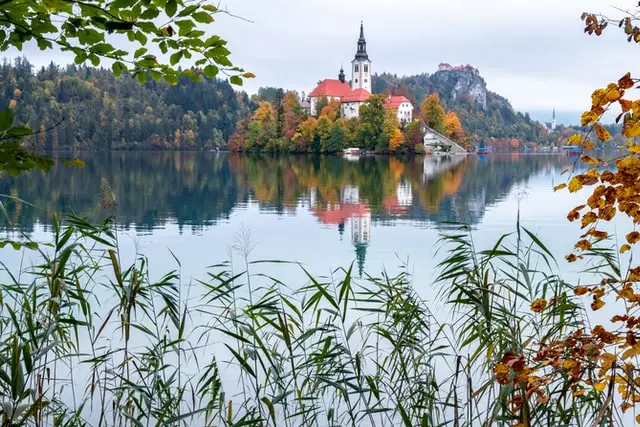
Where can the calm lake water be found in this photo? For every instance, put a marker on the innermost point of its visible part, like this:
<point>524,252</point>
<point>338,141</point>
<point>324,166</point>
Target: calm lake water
<point>324,212</point>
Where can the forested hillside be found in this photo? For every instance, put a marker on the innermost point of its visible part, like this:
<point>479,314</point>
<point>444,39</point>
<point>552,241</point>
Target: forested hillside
<point>483,113</point>
<point>89,108</point>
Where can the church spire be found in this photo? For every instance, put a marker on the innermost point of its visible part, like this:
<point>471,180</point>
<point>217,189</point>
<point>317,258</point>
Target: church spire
<point>361,53</point>
<point>342,76</point>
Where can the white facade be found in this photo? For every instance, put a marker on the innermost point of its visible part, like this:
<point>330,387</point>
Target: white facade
<point>361,228</point>
<point>404,194</point>
<point>405,112</point>
<point>350,110</point>
<point>350,195</point>
<point>361,74</point>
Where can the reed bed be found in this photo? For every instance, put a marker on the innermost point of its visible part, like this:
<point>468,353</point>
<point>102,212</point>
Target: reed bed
<point>87,341</point>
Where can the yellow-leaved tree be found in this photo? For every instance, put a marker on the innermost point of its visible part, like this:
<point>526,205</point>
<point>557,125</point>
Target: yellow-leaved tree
<point>601,359</point>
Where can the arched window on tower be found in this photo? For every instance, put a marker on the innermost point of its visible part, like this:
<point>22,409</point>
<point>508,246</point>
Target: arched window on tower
<point>356,68</point>
<point>366,68</point>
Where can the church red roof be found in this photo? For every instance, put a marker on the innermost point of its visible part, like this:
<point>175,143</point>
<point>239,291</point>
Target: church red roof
<point>395,101</point>
<point>331,87</point>
<point>341,213</point>
<point>357,95</point>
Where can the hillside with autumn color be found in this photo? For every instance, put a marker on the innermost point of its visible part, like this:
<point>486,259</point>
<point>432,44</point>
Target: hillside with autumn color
<point>484,114</point>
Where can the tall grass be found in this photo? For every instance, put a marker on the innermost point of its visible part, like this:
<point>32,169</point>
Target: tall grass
<point>89,341</point>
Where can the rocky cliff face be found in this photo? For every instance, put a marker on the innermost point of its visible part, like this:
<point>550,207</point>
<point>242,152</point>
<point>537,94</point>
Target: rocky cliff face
<point>456,83</point>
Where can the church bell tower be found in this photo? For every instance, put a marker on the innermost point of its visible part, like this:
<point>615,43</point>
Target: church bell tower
<point>361,65</point>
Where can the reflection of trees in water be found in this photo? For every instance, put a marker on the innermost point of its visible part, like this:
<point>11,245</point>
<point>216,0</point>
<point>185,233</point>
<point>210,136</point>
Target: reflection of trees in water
<point>197,189</point>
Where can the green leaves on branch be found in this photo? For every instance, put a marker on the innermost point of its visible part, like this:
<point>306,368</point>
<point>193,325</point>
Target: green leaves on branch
<point>86,29</point>
<point>14,159</point>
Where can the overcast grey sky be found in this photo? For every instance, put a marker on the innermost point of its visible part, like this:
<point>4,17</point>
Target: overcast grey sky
<point>532,52</point>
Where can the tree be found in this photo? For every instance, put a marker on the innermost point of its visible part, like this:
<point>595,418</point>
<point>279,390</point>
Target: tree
<point>305,135</point>
<point>396,142</point>
<point>414,135</point>
<point>331,110</point>
<point>432,113</point>
<point>336,140</point>
<point>292,115</point>
<point>372,119</point>
<point>323,133</point>
<point>320,104</point>
<point>390,127</point>
<point>453,127</point>
<point>87,29</point>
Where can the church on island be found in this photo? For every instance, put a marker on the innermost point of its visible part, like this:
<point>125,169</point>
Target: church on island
<point>355,93</point>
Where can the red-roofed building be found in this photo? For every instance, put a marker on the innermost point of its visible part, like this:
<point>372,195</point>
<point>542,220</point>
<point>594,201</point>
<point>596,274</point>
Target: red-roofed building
<point>352,102</point>
<point>336,90</point>
<point>403,107</point>
<point>331,90</point>
<point>444,67</point>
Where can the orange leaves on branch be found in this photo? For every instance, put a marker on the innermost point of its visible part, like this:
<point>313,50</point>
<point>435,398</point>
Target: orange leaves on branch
<point>626,82</point>
<point>600,386</point>
<point>589,218</point>
<point>607,213</point>
<point>575,213</point>
<point>559,187</point>
<point>597,234</point>
<point>625,105</point>
<point>599,97</point>
<point>629,165</point>
<point>571,258</point>
<point>574,139</point>
<point>575,184</point>
<point>633,237</point>
<point>613,92</point>
<point>580,290</point>
<point>589,118</point>
<point>603,134</point>
<point>583,244</point>
<point>578,181</point>
<point>538,305</point>
<point>597,304</point>
<point>590,160</point>
<point>592,25</point>
<point>624,248</point>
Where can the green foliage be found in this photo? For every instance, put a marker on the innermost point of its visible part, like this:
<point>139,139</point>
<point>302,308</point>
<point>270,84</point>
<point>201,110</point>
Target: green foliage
<point>14,159</point>
<point>53,101</point>
<point>371,129</point>
<point>337,138</point>
<point>88,29</point>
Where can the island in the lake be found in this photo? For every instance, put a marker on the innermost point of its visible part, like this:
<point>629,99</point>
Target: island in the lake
<point>381,113</point>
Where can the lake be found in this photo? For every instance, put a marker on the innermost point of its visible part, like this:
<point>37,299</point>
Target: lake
<point>324,212</point>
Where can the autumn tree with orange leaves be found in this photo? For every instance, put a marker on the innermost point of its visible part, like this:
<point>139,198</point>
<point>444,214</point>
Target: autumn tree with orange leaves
<point>453,127</point>
<point>603,358</point>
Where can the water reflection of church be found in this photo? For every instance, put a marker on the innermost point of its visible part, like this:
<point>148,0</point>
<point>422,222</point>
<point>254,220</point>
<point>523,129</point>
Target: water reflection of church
<point>358,212</point>
<point>350,209</point>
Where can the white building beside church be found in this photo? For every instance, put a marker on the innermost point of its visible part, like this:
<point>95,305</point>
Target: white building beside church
<point>357,92</point>
<point>402,106</point>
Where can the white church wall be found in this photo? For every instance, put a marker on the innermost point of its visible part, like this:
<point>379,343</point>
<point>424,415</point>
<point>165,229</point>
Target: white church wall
<point>351,110</point>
